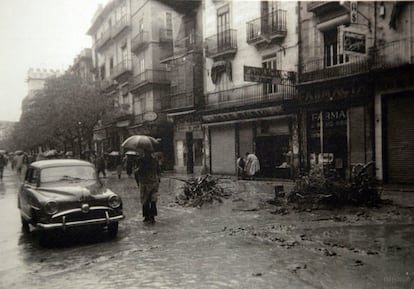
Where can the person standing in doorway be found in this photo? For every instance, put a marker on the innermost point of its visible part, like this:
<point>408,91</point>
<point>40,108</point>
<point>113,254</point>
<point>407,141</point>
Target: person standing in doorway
<point>147,176</point>
<point>241,166</point>
<point>252,165</point>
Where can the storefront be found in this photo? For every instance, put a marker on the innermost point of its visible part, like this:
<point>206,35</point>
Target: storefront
<point>337,124</point>
<point>394,122</point>
<point>270,135</point>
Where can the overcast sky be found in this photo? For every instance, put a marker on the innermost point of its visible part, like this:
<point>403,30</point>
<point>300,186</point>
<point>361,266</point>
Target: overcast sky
<point>38,34</point>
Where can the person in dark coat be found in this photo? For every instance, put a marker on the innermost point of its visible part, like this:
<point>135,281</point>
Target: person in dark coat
<point>100,165</point>
<point>147,176</point>
<point>3,163</point>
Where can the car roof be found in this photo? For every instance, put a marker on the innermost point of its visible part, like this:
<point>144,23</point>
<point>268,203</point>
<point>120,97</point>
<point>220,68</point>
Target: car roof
<point>59,163</point>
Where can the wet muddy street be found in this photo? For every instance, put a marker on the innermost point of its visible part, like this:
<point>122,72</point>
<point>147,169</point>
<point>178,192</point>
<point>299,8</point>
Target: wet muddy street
<point>241,243</point>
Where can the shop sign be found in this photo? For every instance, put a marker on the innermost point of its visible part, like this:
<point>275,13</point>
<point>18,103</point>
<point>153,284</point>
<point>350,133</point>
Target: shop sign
<point>150,116</point>
<point>267,75</point>
<point>331,119</point>
<point>354,42</point>
<point>319,94</point>
<point>123,123</point>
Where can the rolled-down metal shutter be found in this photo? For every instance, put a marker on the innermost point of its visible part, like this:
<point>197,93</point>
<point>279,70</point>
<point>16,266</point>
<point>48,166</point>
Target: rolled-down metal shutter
<point>400,139</point>
<point>223,150</point>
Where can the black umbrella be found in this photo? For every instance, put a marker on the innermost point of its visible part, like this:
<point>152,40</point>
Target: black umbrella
<point>143,142</point>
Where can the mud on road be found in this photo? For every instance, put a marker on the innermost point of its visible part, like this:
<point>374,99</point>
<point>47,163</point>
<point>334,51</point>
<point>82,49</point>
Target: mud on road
<point>244,242</point>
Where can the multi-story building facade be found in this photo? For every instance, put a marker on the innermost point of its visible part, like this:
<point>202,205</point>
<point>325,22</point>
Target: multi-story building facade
<point>183,49</point>
<point>126,52</point>
<point>251,53</point>
<point>83,66</point>
<point>355,86</point>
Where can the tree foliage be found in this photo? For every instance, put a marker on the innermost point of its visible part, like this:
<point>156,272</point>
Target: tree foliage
<point>64,110</point>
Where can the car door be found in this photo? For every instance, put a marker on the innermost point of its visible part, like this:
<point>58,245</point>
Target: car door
<point>26,197</point>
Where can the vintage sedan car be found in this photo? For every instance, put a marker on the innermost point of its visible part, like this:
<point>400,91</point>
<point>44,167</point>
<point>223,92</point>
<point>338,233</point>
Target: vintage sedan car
<point>64,193</point>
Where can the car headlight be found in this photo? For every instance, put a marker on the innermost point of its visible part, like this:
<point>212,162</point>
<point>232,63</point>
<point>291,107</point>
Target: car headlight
<point>51,208</point>
<point>114,201</point>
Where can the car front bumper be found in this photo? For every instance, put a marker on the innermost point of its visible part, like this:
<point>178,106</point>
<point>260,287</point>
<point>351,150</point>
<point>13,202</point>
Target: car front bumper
<point>65,223</point>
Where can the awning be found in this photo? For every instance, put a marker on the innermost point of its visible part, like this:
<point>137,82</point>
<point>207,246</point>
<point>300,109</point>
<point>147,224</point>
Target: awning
<point>333,23</point>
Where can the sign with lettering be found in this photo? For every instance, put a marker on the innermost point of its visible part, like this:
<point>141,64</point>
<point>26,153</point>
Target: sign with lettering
<point>268,75</point>
<point>354,42</point>
<point>331,119</point>
<point>353,11</point>
<point>327,93</point>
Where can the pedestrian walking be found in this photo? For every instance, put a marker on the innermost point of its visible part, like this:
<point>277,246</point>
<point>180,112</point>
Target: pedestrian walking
<point>19,163</point>
<point>119,166</point>
<point>147,176</point>
<point>3,163</point>
<point>241,167</point>
<point>100,165</point>
<point>252,165</point>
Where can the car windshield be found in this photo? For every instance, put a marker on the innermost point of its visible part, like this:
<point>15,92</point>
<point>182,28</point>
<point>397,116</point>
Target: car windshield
<point>68,174</point>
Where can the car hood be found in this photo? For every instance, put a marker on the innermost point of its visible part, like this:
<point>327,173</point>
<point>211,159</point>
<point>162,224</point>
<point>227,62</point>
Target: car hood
<point>72,191</point>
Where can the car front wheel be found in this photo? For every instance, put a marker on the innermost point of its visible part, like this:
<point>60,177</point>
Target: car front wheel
<point>113,230</point>
<point>25,225</point>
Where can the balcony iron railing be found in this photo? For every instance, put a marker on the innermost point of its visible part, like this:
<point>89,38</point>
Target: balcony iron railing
<point>180,100</point>
<point>388,55</point>
<point>250,95</point>
<point>272,25</point>
<point>106,83</point>
<point>122,23</point>
<point>222,44</point>
<point>103,39</point>
<point>166,35</point>
<point>140,40</point>
<point>150,76</point>
<point>121,68</point>
<point>187,43</point>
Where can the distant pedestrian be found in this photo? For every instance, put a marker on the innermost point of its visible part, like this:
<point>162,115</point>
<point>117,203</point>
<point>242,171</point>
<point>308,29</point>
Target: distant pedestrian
<point>3,163</point>
<point>19,163</point>
<point>100,165</point>
<point>147,176</point>
<point>252,165</point>
<point>119,166</point>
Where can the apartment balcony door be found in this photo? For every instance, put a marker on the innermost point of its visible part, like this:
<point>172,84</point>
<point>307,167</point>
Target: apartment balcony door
<point>223,28</point>
<point>268,16</point>
<point>270,63</point>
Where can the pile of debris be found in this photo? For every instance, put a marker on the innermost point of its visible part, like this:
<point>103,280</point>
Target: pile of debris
<point>321,189</point>
<point>198,191</point>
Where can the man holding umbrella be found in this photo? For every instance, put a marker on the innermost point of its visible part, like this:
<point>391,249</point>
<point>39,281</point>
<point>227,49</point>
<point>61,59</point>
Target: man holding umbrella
<point>147,174</point>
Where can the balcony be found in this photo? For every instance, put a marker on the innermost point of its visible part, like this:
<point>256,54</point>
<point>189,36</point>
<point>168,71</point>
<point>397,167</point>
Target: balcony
<point>344,66</point>
<point>268,28</point>
<point>149,76</point>
<point>166,35</point>
<point>121,68</point>
<point>250,95</point>
<point>123,112</point>
<point>327,7</point>
<point>385,56</point>
<point>140,41</point>
<point>122,24</point>
<point>222,45</point>
<point>188,43</point>
<point>393,54</point>
<point>103,39</point>
<point>180,100</point>
<point>106,84</point>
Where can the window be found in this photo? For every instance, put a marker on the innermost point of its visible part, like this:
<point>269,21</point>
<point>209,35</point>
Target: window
<point>332,56</point>
<point>223,26</point>
<point>124,53</point>
<point>111,64</point>
<point>168,20</point>
<point>269,15</point>
<point>270,63</point>
<point>138,106</point>
<point>102,72</point>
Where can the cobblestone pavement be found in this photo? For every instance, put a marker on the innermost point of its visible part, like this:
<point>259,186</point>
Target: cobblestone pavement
<point>240,243</point>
